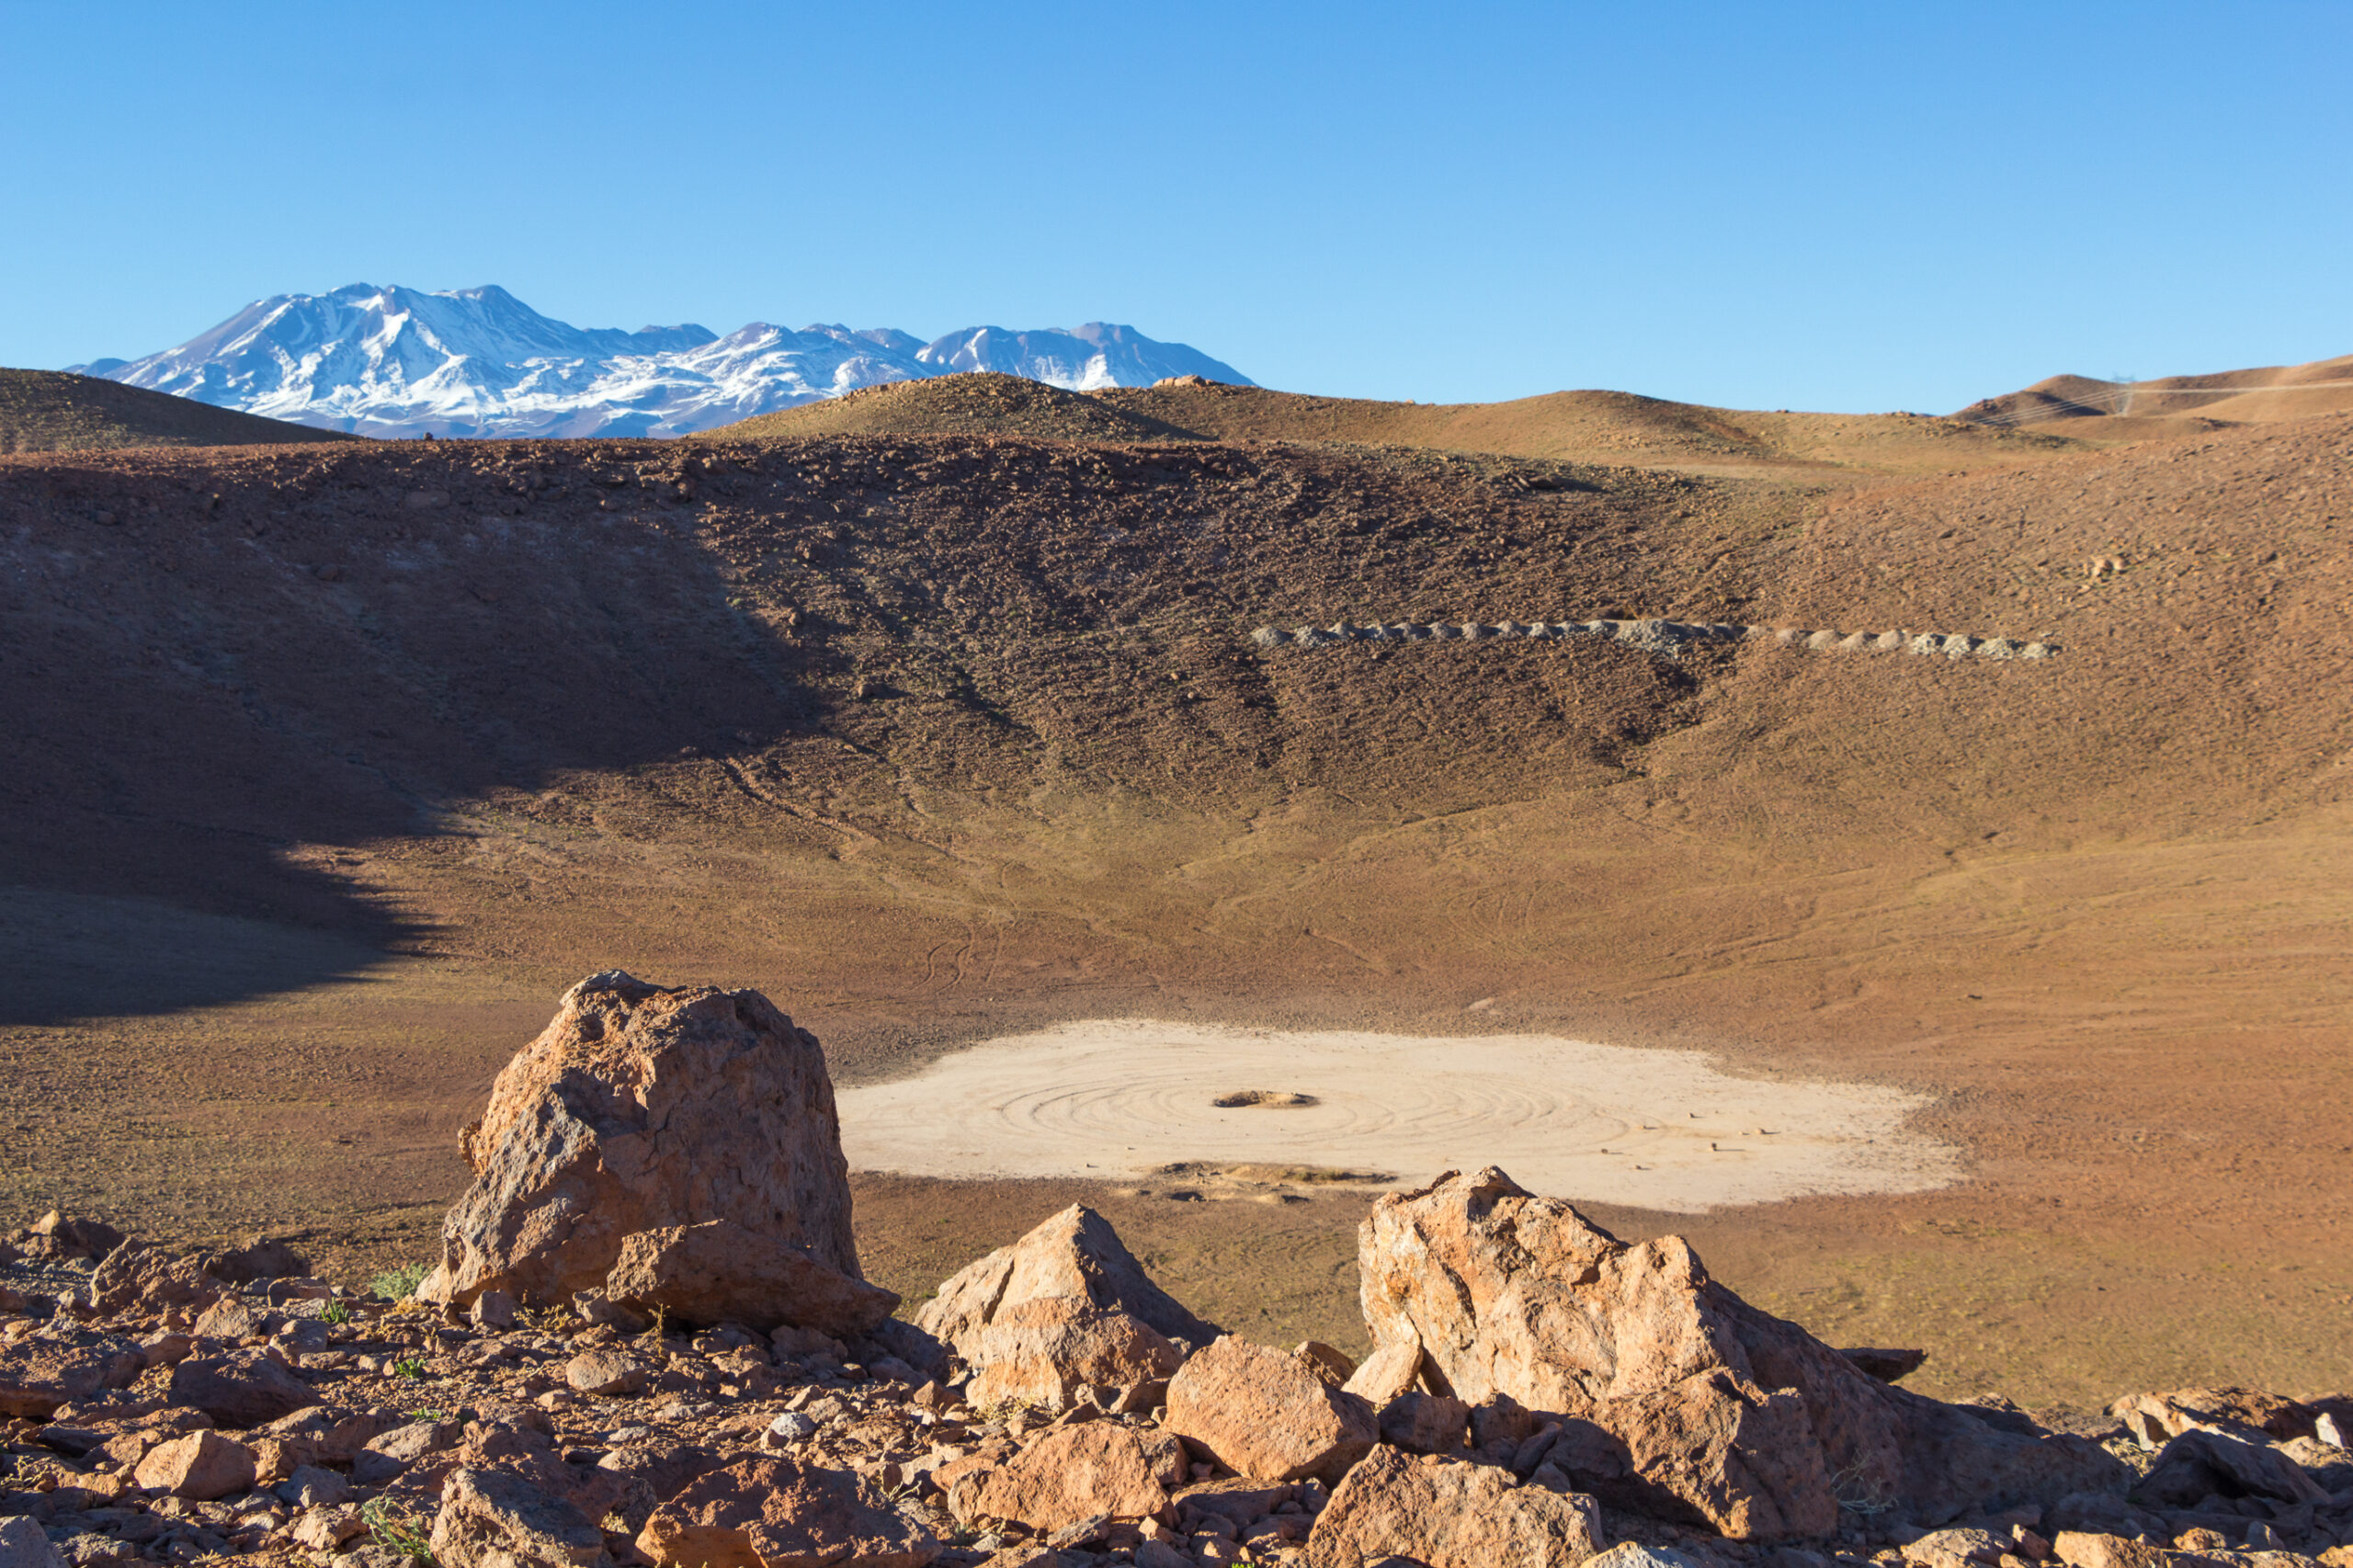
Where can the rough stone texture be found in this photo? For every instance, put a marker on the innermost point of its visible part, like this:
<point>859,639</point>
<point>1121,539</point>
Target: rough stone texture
<point>2155,1417</point>
<point>1075,1253</point>
<point>203,1466</point>
<point>1667,1374</point>
<point>2089,1550</point>
<point>262,1257</point>
<point>244,1389</point>
<point>1448,1513</point>
<point>1043,1352</point>
<point>639,1108</point>
<point>1955,1549</point>
<point>1386,1373</point>
<point>143,1279</point>
<point>1268,1414</point>
<point>1425,1423</point>
<point>1083,1473</point>
<point>333,1436</point>
<point>55,1236</point>
<point>773,1513</point>
<point>23,1545</point>
<point>1630,1554</point>
<point>2203,1462</point>
<point>37,1376</point>
<point>719,1272</point>
<point>1713,1449</point>
<point>605,1372</point>
<point>493,1519</point>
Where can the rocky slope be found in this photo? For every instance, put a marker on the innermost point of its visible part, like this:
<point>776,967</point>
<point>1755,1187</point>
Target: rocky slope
<point>469,362</point>
<point>1538,1390</point>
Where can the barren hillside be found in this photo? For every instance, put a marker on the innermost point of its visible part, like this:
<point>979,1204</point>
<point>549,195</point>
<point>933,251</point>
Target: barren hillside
<point>340,760</point>
<point>49,410</point>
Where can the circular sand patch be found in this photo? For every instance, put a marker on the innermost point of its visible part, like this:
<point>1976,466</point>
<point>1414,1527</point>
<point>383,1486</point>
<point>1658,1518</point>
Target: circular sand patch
<point>1121,1098</point>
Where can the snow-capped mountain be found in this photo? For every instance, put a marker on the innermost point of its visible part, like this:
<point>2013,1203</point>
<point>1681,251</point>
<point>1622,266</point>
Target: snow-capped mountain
<point>480,362</point>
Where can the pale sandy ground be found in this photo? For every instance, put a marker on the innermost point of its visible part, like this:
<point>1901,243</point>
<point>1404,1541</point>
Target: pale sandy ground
<point>1126,1099</point>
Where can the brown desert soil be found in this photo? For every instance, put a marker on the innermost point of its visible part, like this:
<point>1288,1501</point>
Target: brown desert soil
<point>332,765</point>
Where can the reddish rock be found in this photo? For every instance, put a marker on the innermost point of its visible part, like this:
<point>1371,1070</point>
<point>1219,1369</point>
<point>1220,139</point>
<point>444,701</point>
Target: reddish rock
<point>773,1513</point>
<point>1386,1373</point>
<point>138,1279</point>
<point>719,1272</point>
<point>1043,1352</point>
<point>1425,1423</point>
<point>1075,1253</point>
<point>1673,1390</point>
<point>607,1372</point>
<point>203,1466</point>
<point>1268,1414</point>
<point>54,1236</point>
<point>247,1388</point>
<point>1447,1513</point>
<point>36,1375</point>
<point>1099,1469</point>
<point>2089,1550</point>
<point>491,1518</point>
<point>640,1110</point>
<point>2154,1418</point>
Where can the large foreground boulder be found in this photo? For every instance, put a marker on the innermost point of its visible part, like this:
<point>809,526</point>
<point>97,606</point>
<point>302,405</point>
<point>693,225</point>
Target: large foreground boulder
<point>1075,1253</point>
<point>1673,1396</point>
<point>1048,1352</point>
<point>639,1117</point>
<point>1269,1414</point>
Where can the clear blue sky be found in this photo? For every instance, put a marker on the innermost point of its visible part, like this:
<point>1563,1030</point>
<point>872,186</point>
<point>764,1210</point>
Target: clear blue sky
<point>1864,206</point>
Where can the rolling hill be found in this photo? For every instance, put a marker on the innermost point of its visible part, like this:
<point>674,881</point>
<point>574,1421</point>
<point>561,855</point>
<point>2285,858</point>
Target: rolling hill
<point>1572,426</point>
<point>52,411</point>
<point>2090,409</point>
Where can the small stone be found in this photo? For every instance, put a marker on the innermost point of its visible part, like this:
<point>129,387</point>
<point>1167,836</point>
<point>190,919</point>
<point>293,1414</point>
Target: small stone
<point>494,1309</point>
<point>609,1372</point>
<point>202,1466</point>
<point>312,1487</point>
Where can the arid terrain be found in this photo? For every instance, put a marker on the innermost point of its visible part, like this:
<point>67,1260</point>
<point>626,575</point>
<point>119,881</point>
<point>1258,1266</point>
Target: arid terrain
<point>934,714</point>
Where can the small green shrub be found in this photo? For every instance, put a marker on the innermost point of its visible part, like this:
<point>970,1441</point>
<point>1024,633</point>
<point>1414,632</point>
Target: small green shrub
<point>397,1530</point>
<point>401,1283</point>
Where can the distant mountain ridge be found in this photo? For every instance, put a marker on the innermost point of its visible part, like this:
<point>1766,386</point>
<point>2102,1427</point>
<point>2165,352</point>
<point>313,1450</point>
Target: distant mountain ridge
<point>479,362</point>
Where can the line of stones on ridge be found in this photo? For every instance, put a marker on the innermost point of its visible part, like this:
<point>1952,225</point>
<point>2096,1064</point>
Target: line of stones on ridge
<point>1662,636</point>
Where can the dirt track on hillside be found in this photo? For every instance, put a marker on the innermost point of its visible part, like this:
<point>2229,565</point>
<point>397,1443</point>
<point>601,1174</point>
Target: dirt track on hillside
<point>326,791</point>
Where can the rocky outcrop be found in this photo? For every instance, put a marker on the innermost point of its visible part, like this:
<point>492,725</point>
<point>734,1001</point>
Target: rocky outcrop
<point>1447,1513</point>
<point>1049,1352</point>
<point>639,1117</point>
<point>719,1272</point>
<point>39,1375</point>
<point>1268,1413</point>
<point>1098,1469</point>
<point>202,1466</point>
<point>240,1388</point>
<point>491,1518</point>
<point>1075,1253</point>
<point>1673,1396</point>
<point>773,1513</point>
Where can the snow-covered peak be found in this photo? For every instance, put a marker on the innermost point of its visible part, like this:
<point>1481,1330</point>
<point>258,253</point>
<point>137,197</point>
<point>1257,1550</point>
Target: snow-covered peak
<point>397,361</point>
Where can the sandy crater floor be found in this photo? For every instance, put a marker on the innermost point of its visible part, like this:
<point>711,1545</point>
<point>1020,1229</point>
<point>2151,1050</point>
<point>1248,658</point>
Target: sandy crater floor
<point>1126,1098</point>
